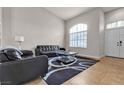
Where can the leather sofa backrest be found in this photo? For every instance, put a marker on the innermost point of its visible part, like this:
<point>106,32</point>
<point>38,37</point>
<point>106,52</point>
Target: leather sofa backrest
<point>48,47</point>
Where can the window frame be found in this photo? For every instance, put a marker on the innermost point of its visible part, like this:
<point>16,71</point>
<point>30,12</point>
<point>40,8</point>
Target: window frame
<point>84,33</point>
<point>110,26</point>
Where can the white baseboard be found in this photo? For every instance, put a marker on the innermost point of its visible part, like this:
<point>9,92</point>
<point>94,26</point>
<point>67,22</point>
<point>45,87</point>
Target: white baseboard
<point>89,56</point>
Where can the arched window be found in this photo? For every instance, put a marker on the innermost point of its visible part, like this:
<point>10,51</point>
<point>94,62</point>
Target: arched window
<point>78,36</point>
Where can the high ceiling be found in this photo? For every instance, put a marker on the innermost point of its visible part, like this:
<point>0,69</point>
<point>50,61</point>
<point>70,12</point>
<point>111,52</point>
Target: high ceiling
<point>69,12</point>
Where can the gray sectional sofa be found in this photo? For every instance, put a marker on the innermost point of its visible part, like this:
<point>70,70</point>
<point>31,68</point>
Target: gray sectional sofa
<point>19,71</point>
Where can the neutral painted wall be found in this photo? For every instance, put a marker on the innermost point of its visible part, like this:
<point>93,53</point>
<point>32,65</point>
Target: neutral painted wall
<point>101,33</point>
<point>0,13</point>
<point>114,15</point>
<point>37,25</point>
<point>0,27</point>
<point>6,27</point>
<point>94,19</point>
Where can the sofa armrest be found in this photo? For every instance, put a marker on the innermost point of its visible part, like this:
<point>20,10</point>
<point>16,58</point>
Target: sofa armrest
<point>62,49</point>
<point>37,52</point>
<point>26,53</point>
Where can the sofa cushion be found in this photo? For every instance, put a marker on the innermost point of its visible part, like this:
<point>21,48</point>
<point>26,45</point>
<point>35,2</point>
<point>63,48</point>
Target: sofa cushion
<point>12,54</point>
<point>26,53</point>
<point>50,53</point>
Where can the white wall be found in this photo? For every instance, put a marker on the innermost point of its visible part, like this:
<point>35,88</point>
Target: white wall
<point>37,25</point>
<point>0,27</point>
<point>6,26</point>
<point>94,19</point>
<point>0,14</point>
<point>114,15</point>
<point>101,33</point>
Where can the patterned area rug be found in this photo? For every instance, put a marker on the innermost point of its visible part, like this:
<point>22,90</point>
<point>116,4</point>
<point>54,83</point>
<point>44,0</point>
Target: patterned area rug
<point>58,75</point>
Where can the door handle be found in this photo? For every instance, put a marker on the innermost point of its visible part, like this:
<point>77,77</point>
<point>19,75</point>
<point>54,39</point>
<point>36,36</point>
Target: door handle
<point>117,43</point>
<point>121,43</point>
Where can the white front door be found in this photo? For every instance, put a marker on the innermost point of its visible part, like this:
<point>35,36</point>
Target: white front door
<point>112,43</point>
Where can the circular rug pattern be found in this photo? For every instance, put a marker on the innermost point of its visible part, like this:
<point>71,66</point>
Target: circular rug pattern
<point>58,75</point>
